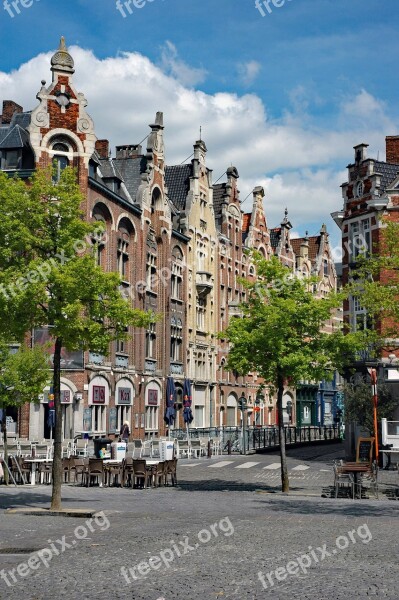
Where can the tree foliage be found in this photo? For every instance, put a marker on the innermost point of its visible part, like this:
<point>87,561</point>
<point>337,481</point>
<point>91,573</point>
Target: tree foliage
<point>358,403</point>
<point>375,282</point>
<point>23,374</point>
<point>281,336</point>
<point>281,332</point>
<point>49,276</point>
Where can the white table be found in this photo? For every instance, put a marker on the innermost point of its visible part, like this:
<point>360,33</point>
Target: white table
<point>35,462</point>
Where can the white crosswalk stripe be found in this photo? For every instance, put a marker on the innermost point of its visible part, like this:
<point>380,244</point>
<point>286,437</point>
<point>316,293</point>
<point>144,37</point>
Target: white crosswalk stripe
<point>219,465</point>
<point>301,468</point>
<point>272,467</point>
<point>197,464</point>
<point>247,465</point>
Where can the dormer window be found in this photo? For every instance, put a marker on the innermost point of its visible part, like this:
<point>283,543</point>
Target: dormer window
<point>92,169</point>
<point>11,159</point>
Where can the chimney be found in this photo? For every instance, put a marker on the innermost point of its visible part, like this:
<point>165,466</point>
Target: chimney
<point>392,149</point>
<point>102,147</point>
<point>9,108</point>
<point>129,151</point>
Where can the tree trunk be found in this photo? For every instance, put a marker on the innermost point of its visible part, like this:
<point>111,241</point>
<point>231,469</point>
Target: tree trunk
<point>57,459</point>
<point>4,432</point>
<point>285,484</point>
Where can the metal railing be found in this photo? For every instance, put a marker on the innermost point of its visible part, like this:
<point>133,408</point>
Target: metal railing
<point>259,438</point>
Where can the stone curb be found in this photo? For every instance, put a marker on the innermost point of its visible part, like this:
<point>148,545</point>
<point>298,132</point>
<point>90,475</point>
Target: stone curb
<point>78,513</point>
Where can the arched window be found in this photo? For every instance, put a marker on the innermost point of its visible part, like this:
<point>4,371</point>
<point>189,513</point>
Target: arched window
<point>60,147</point>
<point>177,273</point>
<point>125,230</point>
<point>59,164</point>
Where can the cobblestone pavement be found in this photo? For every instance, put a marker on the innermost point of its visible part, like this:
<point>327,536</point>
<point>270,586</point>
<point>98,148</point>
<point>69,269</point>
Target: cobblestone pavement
<point>208,538</point>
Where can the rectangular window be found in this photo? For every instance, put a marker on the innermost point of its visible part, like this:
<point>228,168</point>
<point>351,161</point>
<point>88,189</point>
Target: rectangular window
<point>360,239</point>
<point>150,339</point>
<point>199,412</point>
<point>98,418</point>
<point>151,418</point>
<point>122,415</point>
<point>201,309</point>
<point>151,269</point>
<point>325,267</point>
<point>123,258</point>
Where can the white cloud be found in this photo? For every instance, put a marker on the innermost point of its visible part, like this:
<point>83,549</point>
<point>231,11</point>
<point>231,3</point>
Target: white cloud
<point>299,162</point>
<point>248,72</point>
<point>174,66</point>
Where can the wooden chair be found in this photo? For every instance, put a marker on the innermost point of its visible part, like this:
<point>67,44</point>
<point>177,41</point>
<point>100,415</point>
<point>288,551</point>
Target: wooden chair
<point>114,472</point>
<point>170,470</point>
<point>79,468</point>
<point>45,472</point>
<point>127,471</point>
<point>372,477</point>
<point>158,474</point>
<point>20,470</point>
<point>95,470</point>
<point>140,472</point>
<point>66,469</point>
<point>343,480</point>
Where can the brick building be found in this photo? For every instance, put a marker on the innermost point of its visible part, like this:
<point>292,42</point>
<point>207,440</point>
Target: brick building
<point>370,194</point>
<point>177,241</point>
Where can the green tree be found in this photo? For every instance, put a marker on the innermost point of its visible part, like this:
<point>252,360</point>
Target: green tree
<point>375,282</point>
<point>358,403</point>
<point>280,335</point>
<point>23,375</point>
<point>49,276</point>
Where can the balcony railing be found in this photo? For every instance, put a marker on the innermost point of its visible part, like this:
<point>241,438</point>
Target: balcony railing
<point>204,283</point>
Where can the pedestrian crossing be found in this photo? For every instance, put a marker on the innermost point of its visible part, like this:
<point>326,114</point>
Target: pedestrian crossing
<point>244,465</point>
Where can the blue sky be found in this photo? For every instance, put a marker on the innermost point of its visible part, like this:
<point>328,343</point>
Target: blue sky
<point>311,74</point>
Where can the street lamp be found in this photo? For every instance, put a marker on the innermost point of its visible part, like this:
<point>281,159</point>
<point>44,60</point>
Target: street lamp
<point>260,398</point>
<point>242,403</point>
<point>289,410</point>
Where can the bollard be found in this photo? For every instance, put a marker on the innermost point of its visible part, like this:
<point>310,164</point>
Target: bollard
<point>209,449</point>
<point>229,447</point>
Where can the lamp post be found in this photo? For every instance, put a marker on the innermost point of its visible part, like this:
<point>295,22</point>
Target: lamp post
<point>373,376</point>
<point>289,411</point>
<point>258,400</point>
<point>242,403</point>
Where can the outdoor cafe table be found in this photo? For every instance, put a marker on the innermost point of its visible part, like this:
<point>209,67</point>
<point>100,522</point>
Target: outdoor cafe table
<point>35,462</point>
<point>355,468</point>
